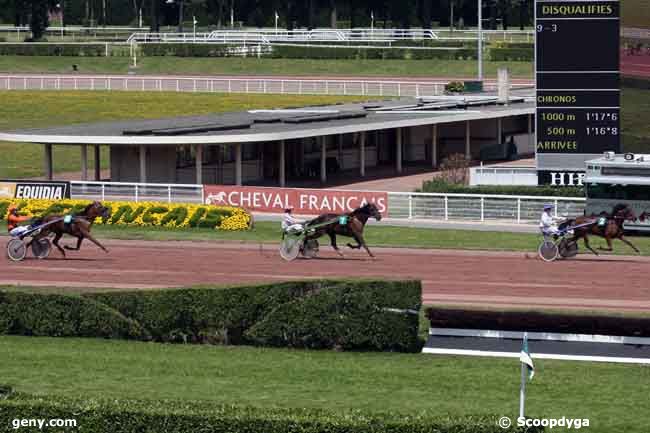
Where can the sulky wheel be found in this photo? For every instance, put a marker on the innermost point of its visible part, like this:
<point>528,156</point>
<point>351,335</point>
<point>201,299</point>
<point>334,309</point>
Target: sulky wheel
<point>548,251</point>
<point>16,249</point>
<point>41,248</point>
<point>290,247</point>
<point>310,248</point>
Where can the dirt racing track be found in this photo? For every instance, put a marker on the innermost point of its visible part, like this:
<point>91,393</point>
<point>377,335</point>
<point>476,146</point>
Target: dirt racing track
<point>449,277</point>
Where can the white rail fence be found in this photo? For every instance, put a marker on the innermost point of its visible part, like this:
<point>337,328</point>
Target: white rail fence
<point>124,191</point>
<point>227,85</point>
<point>421,206</point>
<point>503,176</point>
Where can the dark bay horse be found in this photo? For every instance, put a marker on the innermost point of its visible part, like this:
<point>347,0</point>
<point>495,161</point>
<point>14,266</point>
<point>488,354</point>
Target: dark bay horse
<point>353,227</point>
<point>78,227</point>
<point>611,229</point>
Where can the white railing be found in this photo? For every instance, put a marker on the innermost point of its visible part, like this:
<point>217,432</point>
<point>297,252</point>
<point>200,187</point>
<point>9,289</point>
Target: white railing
<point>633,33</point>
<point>124,191</point>
<point>401,205</point>
<point>225,85</point>
<point>478,207</point>
<point>267,36</point>
<point>503,176</point>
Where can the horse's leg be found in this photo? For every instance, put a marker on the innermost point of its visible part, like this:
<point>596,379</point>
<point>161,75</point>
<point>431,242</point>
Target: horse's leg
<point>79,240</point>
<point>86,234</point>
<point>55,241</point>
<point>357,246</point>
<point>362,242</point>
<point>609,245</point>
<point>586,239</point>
<point>630,244</point>
<point>333,241</point>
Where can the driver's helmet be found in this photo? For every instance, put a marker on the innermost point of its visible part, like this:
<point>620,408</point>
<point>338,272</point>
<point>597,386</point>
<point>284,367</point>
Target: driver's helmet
<point>548,206</point>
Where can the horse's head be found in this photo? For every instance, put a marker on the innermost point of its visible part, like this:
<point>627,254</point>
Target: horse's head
<point>372,210</point>
<point>96,209</point>
<point>623,212</point>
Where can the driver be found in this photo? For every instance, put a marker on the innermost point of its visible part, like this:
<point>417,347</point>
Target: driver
<point>290,223</point>
<point>547,222</point>
<point>13,219</point>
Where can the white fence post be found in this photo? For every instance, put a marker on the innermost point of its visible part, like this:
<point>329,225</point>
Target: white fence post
<point>103,192</point>
<point>410,206</point>
<point>446,208</point>
<point>556,208</point>
<point>518,210</point>
<point>136,193</point>
<point>482,209</point>
<point>169,194</point>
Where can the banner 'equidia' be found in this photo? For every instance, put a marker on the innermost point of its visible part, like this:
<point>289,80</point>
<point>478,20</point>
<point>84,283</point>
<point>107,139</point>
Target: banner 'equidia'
<point>303,201</point>
<point>33,189</point>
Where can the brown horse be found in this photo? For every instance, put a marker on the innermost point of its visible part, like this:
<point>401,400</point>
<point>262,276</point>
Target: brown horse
<point>353,226</point>
<point>78,227</point>
<point>611,229</point>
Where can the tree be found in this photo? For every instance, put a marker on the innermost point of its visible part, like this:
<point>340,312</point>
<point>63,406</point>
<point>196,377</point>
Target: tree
<point>39,20</point>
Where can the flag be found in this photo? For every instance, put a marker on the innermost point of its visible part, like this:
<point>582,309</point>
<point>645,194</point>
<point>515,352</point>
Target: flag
<point>524,357</point>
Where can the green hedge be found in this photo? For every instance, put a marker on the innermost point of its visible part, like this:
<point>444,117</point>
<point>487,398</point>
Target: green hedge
<point>439,185</point>
<point>350,53</point>
<point>348,314</point>
<point>511,54</point>
<point>128,416</point>
<point>185,50</point>
<point>63,316</point>
<point>53,49</point>
<point>311,314</point>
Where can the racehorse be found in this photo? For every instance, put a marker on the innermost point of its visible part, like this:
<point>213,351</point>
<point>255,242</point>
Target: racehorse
<point>352,227</point>
<point>611,229</point>
<point>78,227</point>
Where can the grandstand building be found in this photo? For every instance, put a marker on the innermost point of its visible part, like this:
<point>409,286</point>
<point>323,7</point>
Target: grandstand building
<point>302,146</point>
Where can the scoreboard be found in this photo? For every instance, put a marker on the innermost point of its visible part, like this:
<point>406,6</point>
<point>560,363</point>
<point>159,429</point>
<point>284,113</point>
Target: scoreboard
<point>577,75</point>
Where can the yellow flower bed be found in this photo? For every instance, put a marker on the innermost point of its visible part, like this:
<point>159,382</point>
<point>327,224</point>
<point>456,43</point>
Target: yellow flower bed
<point>143,214</point>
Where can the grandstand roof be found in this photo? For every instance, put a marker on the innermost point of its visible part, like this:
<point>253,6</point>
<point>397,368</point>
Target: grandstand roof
<point>271,125</point>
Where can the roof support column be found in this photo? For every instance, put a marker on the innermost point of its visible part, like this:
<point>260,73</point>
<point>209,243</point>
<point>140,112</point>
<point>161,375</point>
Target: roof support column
<point>48,160</point>
<point>499,130</point>
<point>398,150</point>
<point>530,133</point>
<point>98,161</point>
<point>84,162</point>
<point>198,155</point>
<point>281,170</point>
<point>143,163</point>
<point>238,167</point>
<point>362,154</point>
<point>434,146</point>
<point>323,159</point>
<point>468,147</point>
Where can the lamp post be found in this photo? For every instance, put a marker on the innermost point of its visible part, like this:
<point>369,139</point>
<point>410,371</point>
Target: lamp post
<point>372,23</point>
<point>60,6</point>
<point>194,23</point>
<point>277,17</point>
<point>480,40</point>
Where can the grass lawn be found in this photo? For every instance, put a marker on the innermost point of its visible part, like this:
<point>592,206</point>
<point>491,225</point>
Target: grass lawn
<point>613,397</point>
<point>635,112</point>
<point>31,109</point>
<point>375,235</point>
<point>253,66</point>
